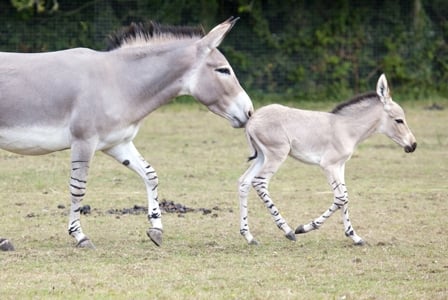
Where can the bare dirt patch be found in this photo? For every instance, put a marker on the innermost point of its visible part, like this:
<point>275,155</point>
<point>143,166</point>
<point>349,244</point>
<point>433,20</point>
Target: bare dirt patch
<point>166,206</point>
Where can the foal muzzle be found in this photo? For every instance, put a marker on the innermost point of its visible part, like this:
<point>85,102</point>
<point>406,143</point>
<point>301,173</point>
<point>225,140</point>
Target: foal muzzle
<point>409,149</point>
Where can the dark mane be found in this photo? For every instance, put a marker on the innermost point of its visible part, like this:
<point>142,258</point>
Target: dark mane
<point>149,30</point>
<point>355,100</point>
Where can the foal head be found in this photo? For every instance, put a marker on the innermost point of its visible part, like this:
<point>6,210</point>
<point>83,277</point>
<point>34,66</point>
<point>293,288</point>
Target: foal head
<point>393,124</point>
<point>213,82</point>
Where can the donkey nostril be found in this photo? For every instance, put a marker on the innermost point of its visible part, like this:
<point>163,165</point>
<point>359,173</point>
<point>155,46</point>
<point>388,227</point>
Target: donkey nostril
<point>250,113</point>
<point>414,146</point>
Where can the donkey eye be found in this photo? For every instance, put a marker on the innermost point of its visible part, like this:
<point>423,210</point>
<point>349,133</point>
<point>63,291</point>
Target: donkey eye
<point>223,70</point>
<point>399,121</point>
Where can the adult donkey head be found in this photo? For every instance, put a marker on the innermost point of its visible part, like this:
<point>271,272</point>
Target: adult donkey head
<point>212,80</point>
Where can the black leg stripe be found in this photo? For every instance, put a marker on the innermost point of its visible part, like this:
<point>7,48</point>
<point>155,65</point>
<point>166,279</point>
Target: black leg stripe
<point>77,187</point>
<point>78,180</point>
<point>78,195</point>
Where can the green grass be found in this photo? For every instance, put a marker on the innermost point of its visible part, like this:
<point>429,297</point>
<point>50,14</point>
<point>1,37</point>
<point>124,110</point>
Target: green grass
<point>398,204</point>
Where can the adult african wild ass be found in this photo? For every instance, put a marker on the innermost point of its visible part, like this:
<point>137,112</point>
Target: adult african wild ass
<point>86,100</point>
<point>319,138</point>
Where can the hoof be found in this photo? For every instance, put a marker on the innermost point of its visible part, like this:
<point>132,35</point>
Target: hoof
<point>360,243</point>
<point>86,244</point>
<point>6,245</point>
<point>155,234</point>
<point>291,236</point>
<point>254,242</point>
<point>300,230</point>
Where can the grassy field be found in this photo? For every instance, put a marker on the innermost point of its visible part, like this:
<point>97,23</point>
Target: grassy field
<point>398,205</point>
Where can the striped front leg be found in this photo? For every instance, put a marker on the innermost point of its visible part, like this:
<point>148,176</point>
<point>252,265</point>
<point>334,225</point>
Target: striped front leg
<point>340,202</point>
<point>260,185</point>
<point>128,155</point>
<point>340,198</point>
<point>78,182</point>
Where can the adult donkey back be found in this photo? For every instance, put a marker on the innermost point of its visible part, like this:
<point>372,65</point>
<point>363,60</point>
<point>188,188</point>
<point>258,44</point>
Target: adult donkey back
<point>85,100</point>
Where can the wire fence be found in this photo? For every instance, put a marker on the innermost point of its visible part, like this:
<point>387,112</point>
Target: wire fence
<point>293,48</point>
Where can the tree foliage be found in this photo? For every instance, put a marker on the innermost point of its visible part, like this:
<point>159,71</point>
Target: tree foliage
<point>296,49</point>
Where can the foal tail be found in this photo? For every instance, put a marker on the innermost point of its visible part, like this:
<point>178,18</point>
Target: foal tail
<point>254,156</point>
<point>250,141</point>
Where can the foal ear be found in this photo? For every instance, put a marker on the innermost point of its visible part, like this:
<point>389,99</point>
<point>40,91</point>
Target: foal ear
<point>214,38</point>
<point>382,89</point>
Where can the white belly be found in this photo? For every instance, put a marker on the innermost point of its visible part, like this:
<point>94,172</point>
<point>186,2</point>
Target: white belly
<point>34,140</point>
<point>117,136</point>
<point>46,139</point>
<point>307,157</point>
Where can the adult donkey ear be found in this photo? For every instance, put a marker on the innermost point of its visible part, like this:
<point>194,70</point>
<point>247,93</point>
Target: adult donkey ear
<point>214,38</point>
<point>382,89</point>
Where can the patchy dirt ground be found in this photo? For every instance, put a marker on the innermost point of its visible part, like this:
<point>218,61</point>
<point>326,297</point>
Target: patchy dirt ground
<point>166,206</point>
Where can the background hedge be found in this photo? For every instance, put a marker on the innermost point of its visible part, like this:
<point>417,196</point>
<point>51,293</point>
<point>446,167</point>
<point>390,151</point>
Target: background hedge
<point>290,49</point>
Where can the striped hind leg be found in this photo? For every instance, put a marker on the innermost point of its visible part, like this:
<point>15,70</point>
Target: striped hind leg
<point>244,183</point>
<point>81,155</point>
<point>272,160</point>
<point>260,184</point>
<point>335,176</point>
<point>129,156</point>
<point>258,175</point>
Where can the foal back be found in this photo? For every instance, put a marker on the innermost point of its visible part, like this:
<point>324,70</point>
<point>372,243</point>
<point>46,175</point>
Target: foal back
<point>283,130</point>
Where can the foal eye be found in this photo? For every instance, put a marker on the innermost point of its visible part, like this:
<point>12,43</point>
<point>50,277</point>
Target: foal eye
<point>223,70</point>
<point>399,121</point>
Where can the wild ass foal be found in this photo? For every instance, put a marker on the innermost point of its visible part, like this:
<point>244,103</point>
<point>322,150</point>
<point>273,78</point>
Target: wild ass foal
<point>86,100</point>
<point>319,138</point>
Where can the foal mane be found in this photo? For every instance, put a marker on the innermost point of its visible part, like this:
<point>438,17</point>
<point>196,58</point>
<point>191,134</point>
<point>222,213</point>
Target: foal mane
<point>364,100</point>
<point>138,33</point>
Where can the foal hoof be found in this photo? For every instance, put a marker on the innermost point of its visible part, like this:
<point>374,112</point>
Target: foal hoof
<point>85,244</point>
<point>291,236</point>
<point>300,230</point>
<point>6,245</point>
<point>155,234</point>
<point>254,242</point>
<point>360,243</point>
